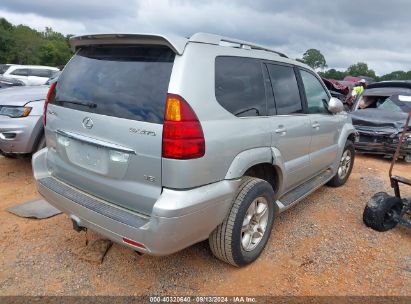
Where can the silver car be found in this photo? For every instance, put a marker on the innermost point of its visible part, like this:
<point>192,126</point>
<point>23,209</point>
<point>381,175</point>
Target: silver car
<point>21,118</point>
<point>160,142</point>
<point>21,126</point>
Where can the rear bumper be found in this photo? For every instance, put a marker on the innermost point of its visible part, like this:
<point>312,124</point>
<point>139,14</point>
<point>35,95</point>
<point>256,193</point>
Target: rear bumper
<point>19,135</point>
<point>179,218</point>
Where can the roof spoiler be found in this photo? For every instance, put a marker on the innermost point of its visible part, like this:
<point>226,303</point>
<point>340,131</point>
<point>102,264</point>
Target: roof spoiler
<point>176,43</point>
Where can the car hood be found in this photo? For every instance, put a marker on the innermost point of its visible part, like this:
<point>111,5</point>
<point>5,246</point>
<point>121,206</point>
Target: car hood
<point>379,122</point>
<point>19,96</point>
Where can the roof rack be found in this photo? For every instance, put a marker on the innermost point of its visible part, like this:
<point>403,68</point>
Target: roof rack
<point>225,41</point>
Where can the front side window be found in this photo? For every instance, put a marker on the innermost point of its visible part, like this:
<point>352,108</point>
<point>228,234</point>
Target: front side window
<point>239,86</point>
<point>285,87</point>
<point>317,97</point>
<point>20,72</point>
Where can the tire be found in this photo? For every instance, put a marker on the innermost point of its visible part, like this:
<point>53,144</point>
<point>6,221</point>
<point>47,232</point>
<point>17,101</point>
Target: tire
<point>407,158</point>
<point>345,166</point>
<point>10,155</point>
<point>380,210</point>
<point>226,241</point>
<point>41,144</point>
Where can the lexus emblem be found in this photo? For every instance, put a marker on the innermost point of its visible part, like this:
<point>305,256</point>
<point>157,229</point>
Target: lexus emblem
<point>87,123</point>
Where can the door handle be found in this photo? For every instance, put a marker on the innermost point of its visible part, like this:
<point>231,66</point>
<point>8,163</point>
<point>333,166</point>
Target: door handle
<point>315,125</point>
<point>281,130</point>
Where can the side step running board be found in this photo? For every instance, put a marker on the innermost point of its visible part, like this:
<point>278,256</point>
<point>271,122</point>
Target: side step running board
<point>297,194</point>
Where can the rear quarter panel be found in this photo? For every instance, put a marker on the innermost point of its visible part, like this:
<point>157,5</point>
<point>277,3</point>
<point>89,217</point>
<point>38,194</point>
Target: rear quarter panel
<point>226,136</point>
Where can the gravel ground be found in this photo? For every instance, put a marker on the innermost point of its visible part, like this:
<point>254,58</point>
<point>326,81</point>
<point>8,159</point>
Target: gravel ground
<point>319,247</point>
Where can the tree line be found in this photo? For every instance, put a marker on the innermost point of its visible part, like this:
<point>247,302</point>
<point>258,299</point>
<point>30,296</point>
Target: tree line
<point>316,60</point>
<point>20,44</point>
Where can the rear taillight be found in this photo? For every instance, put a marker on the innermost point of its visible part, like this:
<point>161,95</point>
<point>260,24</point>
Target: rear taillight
<point>183,136</point>
<point>46,103</point>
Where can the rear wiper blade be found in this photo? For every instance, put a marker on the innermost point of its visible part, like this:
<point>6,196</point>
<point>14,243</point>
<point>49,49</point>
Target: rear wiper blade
<point>81,103</point>
<point>246,110</point>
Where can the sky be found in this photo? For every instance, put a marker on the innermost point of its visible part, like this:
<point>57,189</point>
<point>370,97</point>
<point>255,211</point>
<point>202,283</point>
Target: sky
<point>373,31</point>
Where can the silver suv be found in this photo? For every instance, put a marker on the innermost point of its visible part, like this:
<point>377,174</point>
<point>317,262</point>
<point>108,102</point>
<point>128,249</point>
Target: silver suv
<point>160,142</point>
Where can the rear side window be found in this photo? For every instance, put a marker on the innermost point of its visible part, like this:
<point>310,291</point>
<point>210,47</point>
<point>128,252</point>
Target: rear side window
<point>40,73</point>
<point>20,72</point>
<point>285,87</point>
<point>239,86</point>
<point>123,81</point>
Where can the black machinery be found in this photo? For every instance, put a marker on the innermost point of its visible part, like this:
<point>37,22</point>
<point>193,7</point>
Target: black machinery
<point>383,212</point>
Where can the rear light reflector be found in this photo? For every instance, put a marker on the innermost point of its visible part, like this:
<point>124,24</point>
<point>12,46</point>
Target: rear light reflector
<point>183,136</point>
<point>133,243</point>
<point>46,103</point>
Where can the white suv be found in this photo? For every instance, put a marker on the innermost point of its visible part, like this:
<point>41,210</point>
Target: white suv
<point>29,74</point>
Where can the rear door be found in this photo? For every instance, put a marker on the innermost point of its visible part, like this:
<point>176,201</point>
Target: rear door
<point>105,121</point>
<point>325,127</point>
<point>290,127</point>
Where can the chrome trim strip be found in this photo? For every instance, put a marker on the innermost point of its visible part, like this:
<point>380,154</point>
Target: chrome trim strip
<point>96,142</point>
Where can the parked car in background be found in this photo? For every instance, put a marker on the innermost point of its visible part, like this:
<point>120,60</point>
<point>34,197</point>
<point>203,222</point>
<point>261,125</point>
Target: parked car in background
<point>21,112</point>
<point>160,142</point>
<point>29,74</point>
<point>356,79</point>
<point>380,121</point>
<point>6,82</point>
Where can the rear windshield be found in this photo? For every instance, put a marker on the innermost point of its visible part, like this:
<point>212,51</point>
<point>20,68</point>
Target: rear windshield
<point>123,81</point>
<point>3,68</point>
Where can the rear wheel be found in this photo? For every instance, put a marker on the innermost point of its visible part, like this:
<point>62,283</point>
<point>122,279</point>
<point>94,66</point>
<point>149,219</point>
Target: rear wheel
<point>345,166</point>
<point>382,212</point>
<point>242,236</point>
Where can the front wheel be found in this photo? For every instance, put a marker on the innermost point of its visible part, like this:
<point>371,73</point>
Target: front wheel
<point>345,166</point>
<point>242,236</point>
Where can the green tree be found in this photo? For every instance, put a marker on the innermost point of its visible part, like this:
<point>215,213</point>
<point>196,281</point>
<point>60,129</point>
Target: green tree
<point>314,59</point>
<point>54,53</point>
<point>6,39</point>
<point>396,75</point>
<point>26,46</point>
<point>22,45</point>
<point>361,69</point>
<point>333,74</point>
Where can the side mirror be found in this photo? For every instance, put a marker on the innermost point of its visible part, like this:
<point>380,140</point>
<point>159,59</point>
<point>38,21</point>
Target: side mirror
<point>335,105</point>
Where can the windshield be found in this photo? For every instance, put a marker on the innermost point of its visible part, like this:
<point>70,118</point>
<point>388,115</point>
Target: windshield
<point>389,105</point>
<point>378,102</point>
<point>123,81</point>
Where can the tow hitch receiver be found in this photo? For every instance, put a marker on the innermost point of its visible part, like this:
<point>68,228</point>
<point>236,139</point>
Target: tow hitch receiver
<point>76,224</point>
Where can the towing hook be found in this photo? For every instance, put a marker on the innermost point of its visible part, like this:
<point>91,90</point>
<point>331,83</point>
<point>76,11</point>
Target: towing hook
<point>76,224</point>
